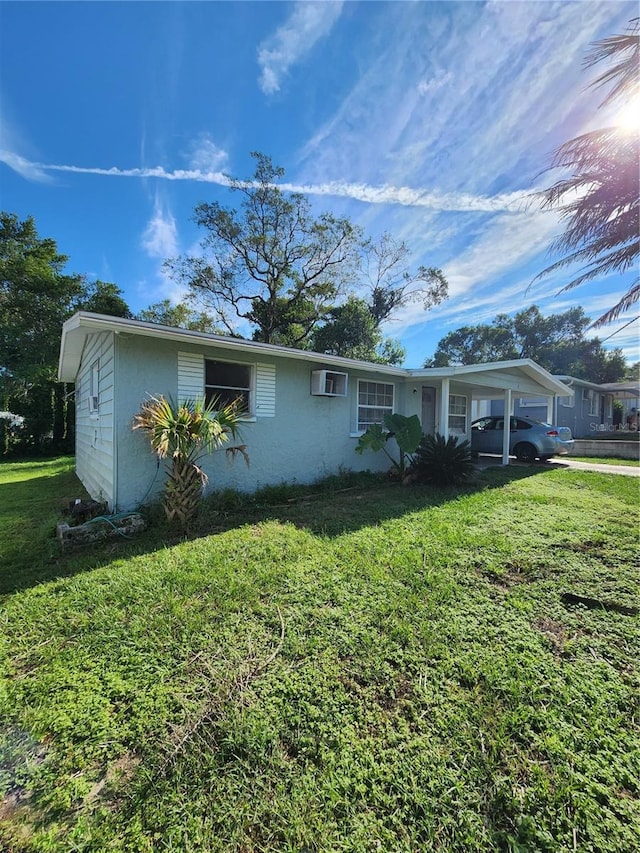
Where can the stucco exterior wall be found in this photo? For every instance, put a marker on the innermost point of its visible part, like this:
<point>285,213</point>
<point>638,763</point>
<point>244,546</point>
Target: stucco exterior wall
<point>94,429</point>
<point>308,438</point>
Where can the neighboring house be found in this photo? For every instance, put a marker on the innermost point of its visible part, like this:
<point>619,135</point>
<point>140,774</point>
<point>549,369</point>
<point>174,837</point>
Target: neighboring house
<point>306,411</point>
<point>589,409</point>
<point>628,394</point>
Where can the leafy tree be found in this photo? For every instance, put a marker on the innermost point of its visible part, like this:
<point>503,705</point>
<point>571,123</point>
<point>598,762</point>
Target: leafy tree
<point>272,263</point>
<point>36,297</point>
<point>103,297</point>
<point>180,316</point>
<point>632,373</point>
<point>351,331</point>
<point>391,285</point>
<point>477,344</point>
<point>600,201</point>
<point>556,342</point>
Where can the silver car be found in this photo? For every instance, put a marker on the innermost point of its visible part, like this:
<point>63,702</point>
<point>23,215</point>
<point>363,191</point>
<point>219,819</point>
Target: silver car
<point>529,439</point>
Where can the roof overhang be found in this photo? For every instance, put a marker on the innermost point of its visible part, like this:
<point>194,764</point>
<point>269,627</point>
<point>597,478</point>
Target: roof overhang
<point>77,328</point>
<point>623,390</point>
<point>522,376</point>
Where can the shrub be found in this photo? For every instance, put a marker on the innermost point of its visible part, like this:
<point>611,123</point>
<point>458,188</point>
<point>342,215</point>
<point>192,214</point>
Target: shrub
<point>407,433</point>
<point>443,461</point>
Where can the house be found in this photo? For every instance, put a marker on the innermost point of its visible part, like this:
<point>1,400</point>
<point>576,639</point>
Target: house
<point>589,409</point>
<point>305,410</point>
<point>628,395</point>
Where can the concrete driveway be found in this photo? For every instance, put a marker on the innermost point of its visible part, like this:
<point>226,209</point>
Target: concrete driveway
<point>486,461</point>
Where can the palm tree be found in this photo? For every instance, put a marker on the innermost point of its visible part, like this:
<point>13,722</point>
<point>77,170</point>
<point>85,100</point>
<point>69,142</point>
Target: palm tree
<point>600,200</point>
<point>185,432</point>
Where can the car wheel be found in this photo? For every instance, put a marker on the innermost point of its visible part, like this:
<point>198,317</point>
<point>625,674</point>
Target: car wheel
<point>525,452</point>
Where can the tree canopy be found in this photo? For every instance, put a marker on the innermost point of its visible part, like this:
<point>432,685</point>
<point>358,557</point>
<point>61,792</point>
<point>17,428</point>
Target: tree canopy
<point>556,342</point>
<point>36,297</point>
<point>272,263</point>
<point>181,316</point>
<point>389,282</point>
<point>600,201</point>
<point>298,279</point>
<point>351,331</point>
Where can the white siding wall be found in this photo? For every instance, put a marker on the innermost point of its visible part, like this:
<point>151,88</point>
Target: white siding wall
<point>265,390</point>
<point>94,431</point>
<point>190,376</point>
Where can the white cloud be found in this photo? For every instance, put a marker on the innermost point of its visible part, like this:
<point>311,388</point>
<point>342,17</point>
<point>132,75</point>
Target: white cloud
<point>206,157</point>
<point>25,168</point>
<point>374,195</point>
<point>308,23</point>
<point>434,83</point>
<point>506,244</point>
<point>160,238</point>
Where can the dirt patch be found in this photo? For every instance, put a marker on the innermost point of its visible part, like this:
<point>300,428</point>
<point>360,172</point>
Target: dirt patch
<point>553,631</point>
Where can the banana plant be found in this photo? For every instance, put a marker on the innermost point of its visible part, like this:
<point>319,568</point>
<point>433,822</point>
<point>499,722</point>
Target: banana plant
<point>407,432</point>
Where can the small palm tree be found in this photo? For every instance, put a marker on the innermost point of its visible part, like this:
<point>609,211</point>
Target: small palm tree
<point>443,461</point>
<point>185,432</point>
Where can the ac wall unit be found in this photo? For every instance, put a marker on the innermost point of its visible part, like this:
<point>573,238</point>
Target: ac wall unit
<point>328,383</point>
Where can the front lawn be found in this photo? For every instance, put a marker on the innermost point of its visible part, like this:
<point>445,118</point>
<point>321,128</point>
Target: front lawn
<point>379,669</point>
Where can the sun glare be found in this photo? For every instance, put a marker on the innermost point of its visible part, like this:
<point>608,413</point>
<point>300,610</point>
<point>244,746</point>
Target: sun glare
<point>628,119</point>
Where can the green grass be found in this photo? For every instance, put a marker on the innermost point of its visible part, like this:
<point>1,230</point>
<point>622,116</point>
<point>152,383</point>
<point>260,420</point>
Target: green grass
<point>374,669</point>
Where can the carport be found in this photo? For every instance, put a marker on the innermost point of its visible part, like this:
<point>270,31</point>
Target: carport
<point>501,380</point>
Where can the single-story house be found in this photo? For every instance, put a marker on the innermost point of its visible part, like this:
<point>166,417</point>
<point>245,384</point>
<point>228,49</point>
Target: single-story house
<point>306,410</point>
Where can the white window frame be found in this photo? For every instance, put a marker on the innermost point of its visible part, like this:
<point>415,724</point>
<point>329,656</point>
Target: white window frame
<point>460,411</point>
<point>360,429</point>
<point>568,401</point>
<point>94,388</point>
<point>250,389</point>
<point>594,403</point>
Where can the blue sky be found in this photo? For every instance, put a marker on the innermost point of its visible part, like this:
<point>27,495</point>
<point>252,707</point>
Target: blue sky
<point>429,120</point>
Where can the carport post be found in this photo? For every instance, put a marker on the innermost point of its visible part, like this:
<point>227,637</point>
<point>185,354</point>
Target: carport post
<point>444,407</point>
<point>506,435</point>
<point>552,414</point>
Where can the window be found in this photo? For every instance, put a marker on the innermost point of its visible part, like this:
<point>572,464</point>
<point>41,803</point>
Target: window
<point>328,383</point>
<point>375,400</point>
<point>94,388</point>
<point>594,403</point>
<point>567,402</point>
<point>227,383</point>
<point>457,414</point>
<point>484,424</point>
